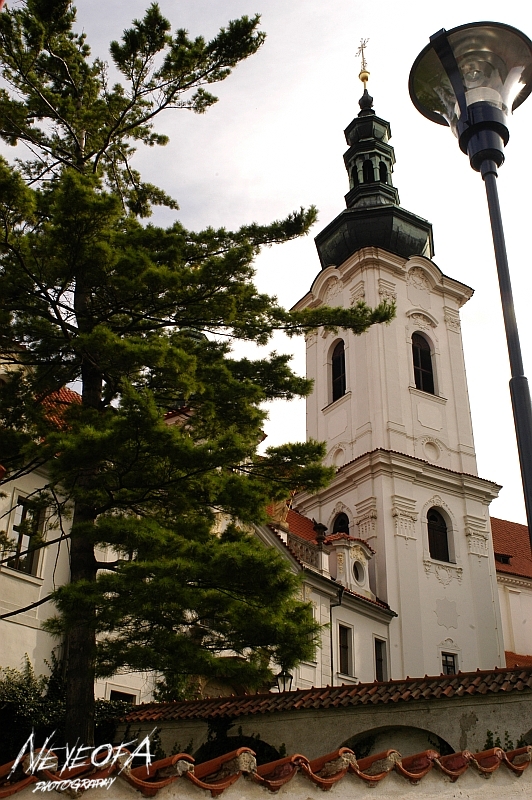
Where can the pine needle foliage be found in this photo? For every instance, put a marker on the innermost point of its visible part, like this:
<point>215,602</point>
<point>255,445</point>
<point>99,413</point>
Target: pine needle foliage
<point>163,441</point>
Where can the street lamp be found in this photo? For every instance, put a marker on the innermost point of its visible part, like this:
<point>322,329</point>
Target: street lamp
<point>471,78</point>
<point>284,680</point>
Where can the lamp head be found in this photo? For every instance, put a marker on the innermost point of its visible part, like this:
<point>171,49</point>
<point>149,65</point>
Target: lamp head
<point>284,680</point>
<point>471,78</point>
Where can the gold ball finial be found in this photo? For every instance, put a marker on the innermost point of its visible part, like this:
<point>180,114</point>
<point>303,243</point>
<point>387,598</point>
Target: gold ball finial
<point>364,73</point>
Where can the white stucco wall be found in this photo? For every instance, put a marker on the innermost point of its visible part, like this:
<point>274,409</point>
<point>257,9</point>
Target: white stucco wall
<point>515,598</point>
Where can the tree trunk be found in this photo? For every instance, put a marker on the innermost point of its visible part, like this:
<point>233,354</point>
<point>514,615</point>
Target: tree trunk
<point>81,637</point>
<point>81,647</point>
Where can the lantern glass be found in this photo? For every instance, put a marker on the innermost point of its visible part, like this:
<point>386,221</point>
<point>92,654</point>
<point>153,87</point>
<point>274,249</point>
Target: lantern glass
<point>284,681</point>
<point>495,65</point>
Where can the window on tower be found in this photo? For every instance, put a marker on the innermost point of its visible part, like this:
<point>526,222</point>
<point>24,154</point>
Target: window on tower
<point>338,372</point>
<point>423,372</point>
<point>368,172</point>
<point>383,172</point>
<point>341,523</point>
<point>438,536</point>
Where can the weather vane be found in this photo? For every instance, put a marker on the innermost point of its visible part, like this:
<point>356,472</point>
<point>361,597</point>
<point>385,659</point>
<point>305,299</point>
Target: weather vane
<point>364,74</point>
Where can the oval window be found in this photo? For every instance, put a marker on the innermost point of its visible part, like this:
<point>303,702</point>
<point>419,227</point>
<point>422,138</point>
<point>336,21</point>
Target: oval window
<point>358,571</point>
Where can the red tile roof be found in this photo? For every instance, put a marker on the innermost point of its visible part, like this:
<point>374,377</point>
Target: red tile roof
<point>516,660</point>
<point>301,526</point>
<point>511,539</point>
<point>220,773</point>
<point>481,682</point>
<point>57,402</point>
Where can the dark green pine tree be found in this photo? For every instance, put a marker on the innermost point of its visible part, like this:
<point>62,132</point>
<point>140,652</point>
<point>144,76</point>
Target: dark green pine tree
<point>132,313</point>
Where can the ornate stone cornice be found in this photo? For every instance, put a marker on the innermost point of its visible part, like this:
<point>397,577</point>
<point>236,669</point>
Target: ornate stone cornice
<point>513,580</point>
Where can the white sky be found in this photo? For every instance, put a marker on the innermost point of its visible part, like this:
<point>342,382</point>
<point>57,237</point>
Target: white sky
<point>275,142</point>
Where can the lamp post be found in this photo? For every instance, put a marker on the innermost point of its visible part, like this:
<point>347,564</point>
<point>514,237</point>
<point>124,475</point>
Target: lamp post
<point>471,78</point>
<point>284,680</point>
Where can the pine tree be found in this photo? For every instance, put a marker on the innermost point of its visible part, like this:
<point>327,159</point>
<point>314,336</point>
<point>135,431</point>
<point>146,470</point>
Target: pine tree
<point>165,435</point>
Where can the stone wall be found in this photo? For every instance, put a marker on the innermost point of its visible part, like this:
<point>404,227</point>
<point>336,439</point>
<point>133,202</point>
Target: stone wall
<point>410,727</point>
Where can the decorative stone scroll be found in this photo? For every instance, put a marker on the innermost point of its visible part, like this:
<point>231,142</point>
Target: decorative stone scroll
<point>405,517</point>
<point>418,288</point>
<point>452,319</point>
<point>357,293</point>
<point>420,320</point>
<point>387,291</point>
<point>331,296</point>
<point>445,573</point>
<point>357,553</point>
<point>477,536</point>
<point>366,516</point>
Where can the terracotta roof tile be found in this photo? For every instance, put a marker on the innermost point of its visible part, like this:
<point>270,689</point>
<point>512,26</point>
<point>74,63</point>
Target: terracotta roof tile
<point>515,660</point>
<point>220,773</point>
<point>511,539</point>
<point>408,690</point>
<point>57,402</point>
<point>301,526</point>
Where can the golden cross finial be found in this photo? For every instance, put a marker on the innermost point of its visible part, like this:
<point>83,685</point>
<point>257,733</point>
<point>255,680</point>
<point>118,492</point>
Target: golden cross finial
<point>364,74</point>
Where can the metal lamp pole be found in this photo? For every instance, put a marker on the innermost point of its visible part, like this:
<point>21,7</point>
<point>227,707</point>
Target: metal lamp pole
<point>467,78</point>
<point>519,389</point>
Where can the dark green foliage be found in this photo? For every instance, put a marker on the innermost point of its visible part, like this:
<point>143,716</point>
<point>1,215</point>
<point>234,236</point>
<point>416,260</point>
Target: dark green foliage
<point>141,318</point>
<point>493,739</point>
<point>37,702</point>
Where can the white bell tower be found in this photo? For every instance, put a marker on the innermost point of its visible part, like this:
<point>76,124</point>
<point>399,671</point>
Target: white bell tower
<point>393,407</point>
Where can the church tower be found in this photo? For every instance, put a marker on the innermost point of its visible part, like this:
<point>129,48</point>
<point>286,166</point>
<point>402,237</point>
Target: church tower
<point>392,405</point>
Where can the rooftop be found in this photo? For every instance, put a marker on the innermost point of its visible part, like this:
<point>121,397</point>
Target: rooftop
<point>511,542</point>
<point>481,682</point>
<point>219,774</point>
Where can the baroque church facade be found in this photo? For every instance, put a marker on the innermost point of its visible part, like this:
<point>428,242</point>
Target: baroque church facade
<point>406,516</point>
<point>397,555</point>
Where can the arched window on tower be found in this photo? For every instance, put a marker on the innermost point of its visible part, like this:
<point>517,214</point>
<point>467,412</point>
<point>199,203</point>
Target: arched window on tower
<point>338,372</point>
<point>438,537</point>
<point>341,523</point>
<point>368,172</point>
<point>423,372</point>
<point>383,172</point>
<point>354,175</point>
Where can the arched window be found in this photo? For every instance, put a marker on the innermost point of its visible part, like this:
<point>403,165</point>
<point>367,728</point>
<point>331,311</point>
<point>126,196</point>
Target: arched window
<point>423,373</point>
<point>341,523</point>
<point>354,175</point>
<point>338,372</point>
<point>383,172</point>
<point>368,172</point>
<point>438,538</point>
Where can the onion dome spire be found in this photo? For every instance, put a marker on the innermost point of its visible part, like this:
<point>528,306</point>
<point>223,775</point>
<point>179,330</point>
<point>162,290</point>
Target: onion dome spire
<point>373,217</point>
<point>366,101</point>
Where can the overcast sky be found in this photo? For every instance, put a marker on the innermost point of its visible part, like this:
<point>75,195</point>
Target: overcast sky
<point>274,142</point>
